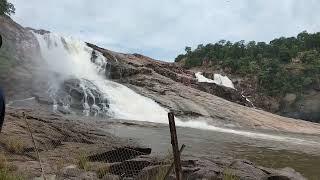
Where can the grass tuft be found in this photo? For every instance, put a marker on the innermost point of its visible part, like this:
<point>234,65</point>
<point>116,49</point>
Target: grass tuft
<point>15,145</point>
<point>5,170</point>
<point>101,172</point>
<point>6,175</point>
<point>3,161</point>
<point>83,162</point>
<point>228,175</point>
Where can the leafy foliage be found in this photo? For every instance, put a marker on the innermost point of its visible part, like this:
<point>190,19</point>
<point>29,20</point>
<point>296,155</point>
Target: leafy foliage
<point>6,8</point>
<point>283,65</point>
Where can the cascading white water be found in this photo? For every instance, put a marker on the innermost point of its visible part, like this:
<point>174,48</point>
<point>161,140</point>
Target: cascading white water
<point>71,58</point>
<point>218,79</point>
<point>221,81</point>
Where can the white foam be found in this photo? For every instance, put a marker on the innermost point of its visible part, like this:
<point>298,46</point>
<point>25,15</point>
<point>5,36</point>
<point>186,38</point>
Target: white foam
<point>218,79</point>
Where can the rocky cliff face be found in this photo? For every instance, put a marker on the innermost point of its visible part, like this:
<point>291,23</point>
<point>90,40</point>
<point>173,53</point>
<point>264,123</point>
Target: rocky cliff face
<point>18,59</point>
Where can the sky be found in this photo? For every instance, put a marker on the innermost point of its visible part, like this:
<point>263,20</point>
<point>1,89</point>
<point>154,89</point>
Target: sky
<point>162,29</point>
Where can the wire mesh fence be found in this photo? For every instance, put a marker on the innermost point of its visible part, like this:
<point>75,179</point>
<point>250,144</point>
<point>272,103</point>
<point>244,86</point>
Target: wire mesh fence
<point>48,146</point>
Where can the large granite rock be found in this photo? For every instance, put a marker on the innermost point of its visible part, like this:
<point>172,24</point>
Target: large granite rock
<point>81,90</point>
<point>19,59</point>
<point>307,106</point>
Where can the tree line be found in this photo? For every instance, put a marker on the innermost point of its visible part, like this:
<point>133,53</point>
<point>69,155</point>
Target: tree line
<point>283,65</point>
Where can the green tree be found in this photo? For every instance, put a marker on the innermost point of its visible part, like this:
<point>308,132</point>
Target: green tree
<point>284,54</point>
<point>187,49</point>
<point>6,8</point>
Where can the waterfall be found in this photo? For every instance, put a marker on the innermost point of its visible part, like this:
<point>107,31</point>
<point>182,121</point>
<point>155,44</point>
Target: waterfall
<point>71,58</point>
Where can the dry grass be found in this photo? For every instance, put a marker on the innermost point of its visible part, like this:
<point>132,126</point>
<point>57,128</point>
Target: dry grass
<point>3,161</point>
<point>102,171</point>
<point>228,175</point>
<point>162,172</point>
<point>83,162</point>
<point>60,164</point>
<point>164,166</point>
<point>6,175</point>
<point>14,145</point>
<point>5,170</point>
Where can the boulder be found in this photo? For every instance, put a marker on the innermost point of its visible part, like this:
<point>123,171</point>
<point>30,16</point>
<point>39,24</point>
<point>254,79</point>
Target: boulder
<point>81,90</point>
<point>282,174</point>
<point>117,70</point>
<point>290,98</point>
<point>306,107</point>
<point>223,92</point>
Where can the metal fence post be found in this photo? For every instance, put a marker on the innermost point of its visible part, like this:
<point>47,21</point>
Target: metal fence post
<point>175,146</point>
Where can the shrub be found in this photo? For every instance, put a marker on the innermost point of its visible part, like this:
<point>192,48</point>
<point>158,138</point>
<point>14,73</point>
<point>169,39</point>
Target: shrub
<point>6,8</point>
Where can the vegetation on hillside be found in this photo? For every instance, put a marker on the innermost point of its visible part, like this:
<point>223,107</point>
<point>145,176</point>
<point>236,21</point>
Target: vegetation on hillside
<point>6,8</point>
<point>283,65</point>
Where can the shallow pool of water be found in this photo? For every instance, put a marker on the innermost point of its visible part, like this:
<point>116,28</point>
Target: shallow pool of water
<point>303,157</point>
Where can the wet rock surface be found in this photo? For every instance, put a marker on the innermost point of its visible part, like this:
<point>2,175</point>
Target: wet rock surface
<point>83,90</point>
<point>75,96</point>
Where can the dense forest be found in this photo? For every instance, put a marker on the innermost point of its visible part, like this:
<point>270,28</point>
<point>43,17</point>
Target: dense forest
<point>284,65</point>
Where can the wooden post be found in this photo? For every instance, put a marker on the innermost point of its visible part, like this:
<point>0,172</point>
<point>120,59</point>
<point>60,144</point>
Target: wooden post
<point>175,146</point>
<point>172,164</point>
